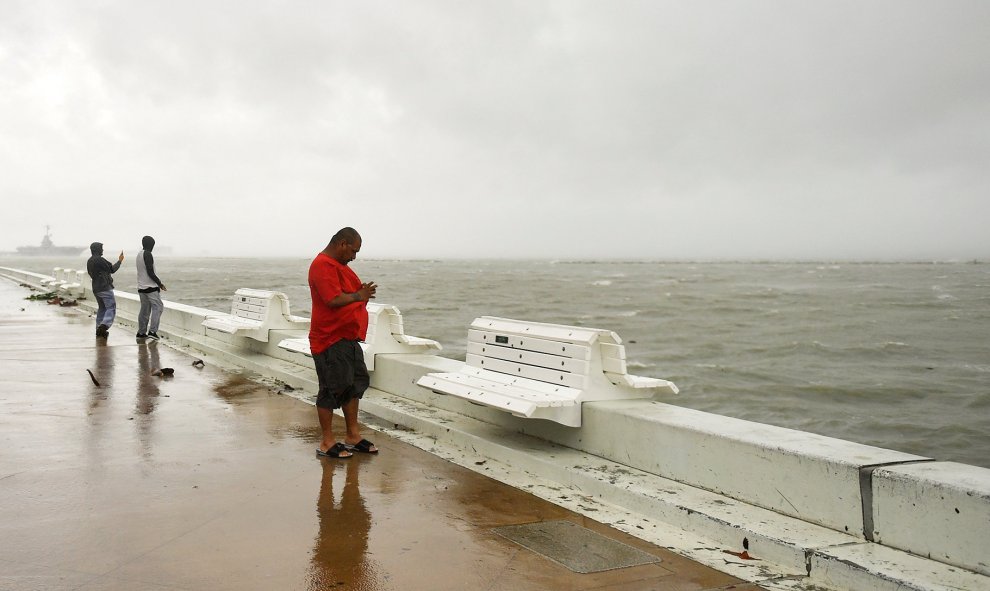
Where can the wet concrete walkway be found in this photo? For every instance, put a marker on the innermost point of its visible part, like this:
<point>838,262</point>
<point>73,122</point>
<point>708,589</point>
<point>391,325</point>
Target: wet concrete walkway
<point>208,480</point>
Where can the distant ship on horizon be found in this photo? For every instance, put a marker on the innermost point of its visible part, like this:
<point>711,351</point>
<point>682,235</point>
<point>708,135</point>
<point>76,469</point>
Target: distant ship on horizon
<point>48,247</point>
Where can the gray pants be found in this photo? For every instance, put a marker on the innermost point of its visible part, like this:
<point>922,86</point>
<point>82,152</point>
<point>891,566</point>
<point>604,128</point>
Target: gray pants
<point>106,307</point>
<point>151,306</point>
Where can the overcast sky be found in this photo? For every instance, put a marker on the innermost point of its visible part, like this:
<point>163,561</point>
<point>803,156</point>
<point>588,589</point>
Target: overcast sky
<point>655,130</point>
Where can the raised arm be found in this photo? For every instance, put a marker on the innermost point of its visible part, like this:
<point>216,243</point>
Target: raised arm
<point>115,266</point>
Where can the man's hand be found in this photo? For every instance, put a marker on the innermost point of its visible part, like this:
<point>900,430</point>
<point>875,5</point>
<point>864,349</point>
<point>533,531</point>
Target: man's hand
<point>120,259</point>
<point>367,291</point>
<point>163,287</point>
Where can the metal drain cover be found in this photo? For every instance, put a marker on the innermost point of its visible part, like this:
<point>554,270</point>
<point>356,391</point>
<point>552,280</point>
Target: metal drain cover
<point>578,548</point>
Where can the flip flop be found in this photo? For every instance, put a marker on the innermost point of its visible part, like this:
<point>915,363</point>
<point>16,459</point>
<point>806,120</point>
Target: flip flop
<point>364,446</point>
<point>334,452</point>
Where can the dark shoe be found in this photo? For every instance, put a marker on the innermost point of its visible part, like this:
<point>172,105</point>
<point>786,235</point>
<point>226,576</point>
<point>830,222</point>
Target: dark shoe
<point>141,335</point>
<point>154,335</point>
<point>364,446</point>
<point>335,451</point>
<point>102,330</point>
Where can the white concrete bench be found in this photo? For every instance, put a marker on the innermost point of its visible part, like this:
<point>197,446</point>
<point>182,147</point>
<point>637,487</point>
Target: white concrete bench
<point>543,371</point>
<point>385,335</point>
<point>57,279</point>
<point>254,312</point>
<point>75,283</point>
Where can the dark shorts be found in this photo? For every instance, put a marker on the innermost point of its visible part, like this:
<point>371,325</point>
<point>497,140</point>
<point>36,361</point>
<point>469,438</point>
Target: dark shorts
<point>342,374</point>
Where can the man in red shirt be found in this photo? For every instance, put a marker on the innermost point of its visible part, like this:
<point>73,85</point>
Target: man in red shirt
<point>339,323</point>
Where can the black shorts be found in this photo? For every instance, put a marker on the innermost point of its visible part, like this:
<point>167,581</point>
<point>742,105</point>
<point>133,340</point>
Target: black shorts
<point>342,374</point>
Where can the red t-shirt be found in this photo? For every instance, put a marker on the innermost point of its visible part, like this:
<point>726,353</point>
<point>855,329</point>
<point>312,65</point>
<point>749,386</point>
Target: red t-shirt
<point>327,280</point>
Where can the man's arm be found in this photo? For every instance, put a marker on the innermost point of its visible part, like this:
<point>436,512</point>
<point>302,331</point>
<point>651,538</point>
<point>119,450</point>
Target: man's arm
<point>328,289</point>
<point>364,294</point>
<point>149,265</point>
<point>115,266</point>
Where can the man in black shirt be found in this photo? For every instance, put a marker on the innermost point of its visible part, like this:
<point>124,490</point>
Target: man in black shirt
<point>101,271</point>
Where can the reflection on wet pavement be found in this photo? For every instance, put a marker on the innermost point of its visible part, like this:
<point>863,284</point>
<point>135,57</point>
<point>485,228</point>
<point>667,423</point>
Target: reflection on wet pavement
<point>340,551</point>
<point>147,387</point>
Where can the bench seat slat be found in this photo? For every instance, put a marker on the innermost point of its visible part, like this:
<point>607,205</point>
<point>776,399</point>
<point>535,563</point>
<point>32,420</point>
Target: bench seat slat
<point>479,396</point>
<point>518,401</point>
<point>300,345</point>
<point>516,389</point>
<point>529,384</point>
<point>229,324</point>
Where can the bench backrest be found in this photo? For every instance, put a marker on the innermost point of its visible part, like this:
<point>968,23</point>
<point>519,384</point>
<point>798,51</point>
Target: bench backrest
<point>256,312</point>
<point>75,282</point>
<point>552,353</point>
<point>385,320</point>
<point>385,335</point>
<point>252,304</point>
<point>375,312</point>
<point>57,278</point>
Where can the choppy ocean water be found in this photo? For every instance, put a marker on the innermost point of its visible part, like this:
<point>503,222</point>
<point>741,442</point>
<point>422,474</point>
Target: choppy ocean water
<point>895,355</point>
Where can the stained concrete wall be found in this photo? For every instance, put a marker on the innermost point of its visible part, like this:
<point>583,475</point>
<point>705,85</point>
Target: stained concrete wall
<point>803,475</point>
<point>176,316</point>
<point>940,510</point>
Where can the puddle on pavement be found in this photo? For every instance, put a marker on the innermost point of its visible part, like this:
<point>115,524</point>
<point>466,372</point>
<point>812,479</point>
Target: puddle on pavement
<point>240,388</point>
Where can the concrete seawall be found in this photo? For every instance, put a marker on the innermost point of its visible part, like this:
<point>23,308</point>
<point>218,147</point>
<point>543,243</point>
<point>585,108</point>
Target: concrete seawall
<point>814,510</point>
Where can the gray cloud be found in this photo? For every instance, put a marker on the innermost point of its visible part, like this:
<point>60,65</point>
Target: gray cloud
<point>549,129</point>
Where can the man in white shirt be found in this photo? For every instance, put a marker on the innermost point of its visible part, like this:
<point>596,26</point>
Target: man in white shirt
<point>149,286</point>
